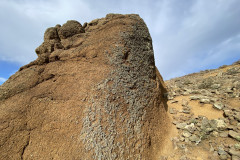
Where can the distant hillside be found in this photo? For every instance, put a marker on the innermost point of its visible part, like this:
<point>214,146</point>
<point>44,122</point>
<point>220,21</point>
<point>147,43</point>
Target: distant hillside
<point>205,113</point>
<point>221,81</point>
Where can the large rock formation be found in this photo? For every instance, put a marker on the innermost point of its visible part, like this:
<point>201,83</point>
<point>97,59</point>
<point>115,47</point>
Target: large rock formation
<point>93,93</point>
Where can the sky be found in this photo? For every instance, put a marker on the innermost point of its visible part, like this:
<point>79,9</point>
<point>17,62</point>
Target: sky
<point>188,35</point>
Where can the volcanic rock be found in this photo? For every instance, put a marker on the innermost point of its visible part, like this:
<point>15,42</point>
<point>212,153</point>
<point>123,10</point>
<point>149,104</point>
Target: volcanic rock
<point>93,93</point>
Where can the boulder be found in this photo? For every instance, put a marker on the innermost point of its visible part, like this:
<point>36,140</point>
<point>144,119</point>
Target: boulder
<point>69,29</point>
<point>93,93</point>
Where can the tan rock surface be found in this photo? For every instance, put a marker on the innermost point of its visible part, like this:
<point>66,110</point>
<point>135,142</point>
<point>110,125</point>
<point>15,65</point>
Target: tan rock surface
<point>93,93</point>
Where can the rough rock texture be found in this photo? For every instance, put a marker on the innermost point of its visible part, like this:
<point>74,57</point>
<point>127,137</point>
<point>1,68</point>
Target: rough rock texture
<point>205,108</point>
<point>93,93</point>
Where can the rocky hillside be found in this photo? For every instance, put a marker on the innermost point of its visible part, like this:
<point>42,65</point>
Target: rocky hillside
<point>205,111</point>
<point>93,93</point>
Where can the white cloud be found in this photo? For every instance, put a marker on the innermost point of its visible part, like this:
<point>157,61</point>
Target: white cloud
<point>24,23</point>
<point>187,35</point>
<point>195,40</point>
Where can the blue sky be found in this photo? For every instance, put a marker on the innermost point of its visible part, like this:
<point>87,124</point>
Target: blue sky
<point>188,35</point>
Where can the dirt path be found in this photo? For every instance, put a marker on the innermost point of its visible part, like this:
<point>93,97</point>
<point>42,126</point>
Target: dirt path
<point>178,147</point>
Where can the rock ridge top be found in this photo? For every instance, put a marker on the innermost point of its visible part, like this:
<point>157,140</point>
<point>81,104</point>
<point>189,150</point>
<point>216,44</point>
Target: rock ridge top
<point>71,35</point>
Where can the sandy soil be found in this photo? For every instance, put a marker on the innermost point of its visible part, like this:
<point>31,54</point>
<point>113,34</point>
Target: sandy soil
<point>197,152</point>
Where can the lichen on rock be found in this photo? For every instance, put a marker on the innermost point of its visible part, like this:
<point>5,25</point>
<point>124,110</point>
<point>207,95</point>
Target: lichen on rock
<point>93,93</point>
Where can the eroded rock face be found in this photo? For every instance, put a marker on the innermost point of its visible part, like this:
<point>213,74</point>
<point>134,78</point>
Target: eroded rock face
<point>69,29</point>
<point>53,37</point>
<point>93,93</point>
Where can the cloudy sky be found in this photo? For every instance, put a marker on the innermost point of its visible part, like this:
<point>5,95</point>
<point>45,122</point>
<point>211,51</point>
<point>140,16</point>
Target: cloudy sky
<point>188,35</point>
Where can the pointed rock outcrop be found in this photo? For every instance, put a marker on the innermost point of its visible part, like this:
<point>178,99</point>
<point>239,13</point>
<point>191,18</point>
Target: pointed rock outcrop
<point>93,93</point>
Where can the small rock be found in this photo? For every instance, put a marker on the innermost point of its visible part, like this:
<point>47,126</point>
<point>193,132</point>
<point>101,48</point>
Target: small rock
<point>181,138</point>
<point>186,93</point>
<point>181,125</point>
<point>208,130</point>
<point>234,152</point>
<point>215,153</point>
<point>194,138</point>
<point>174,141</point>
<point>204,100</point>
<point>232,121</point>
<point>221,151</point>
<point>213,100</point>
<point>187,140</point>
<point>215,86</point>
<point>224,134</point>
<point>211,148</point>
<point>223,157</point>
<point>195,97</point>
<point>237,116</point>
<point>193,120</point>
<point>184,102</point>
<point>235,157</point>
<point>215,133</point>
<point>172,111</point>
<point>228,113</point>
<point>194,92</point>
<point>174,101</point>
<point>218,106</point>
<point>190,128</point>
<point>184,158</point>
<point>163,157</point>
<point>186,110</point>
<point>231,127</point>
<point>219,124</point>
<point>229,90</point>
<point>205,123</point>
<point>168,96</point>
<point>182,146</point>
<point>175,122</point>
<point>234,135</point>
<point>174,94</point>
<point>186,134</point>
<point>237,146</point>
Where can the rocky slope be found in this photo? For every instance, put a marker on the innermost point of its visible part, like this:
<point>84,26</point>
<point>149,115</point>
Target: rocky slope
<point>205,111</point>
<point>93,93</point>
